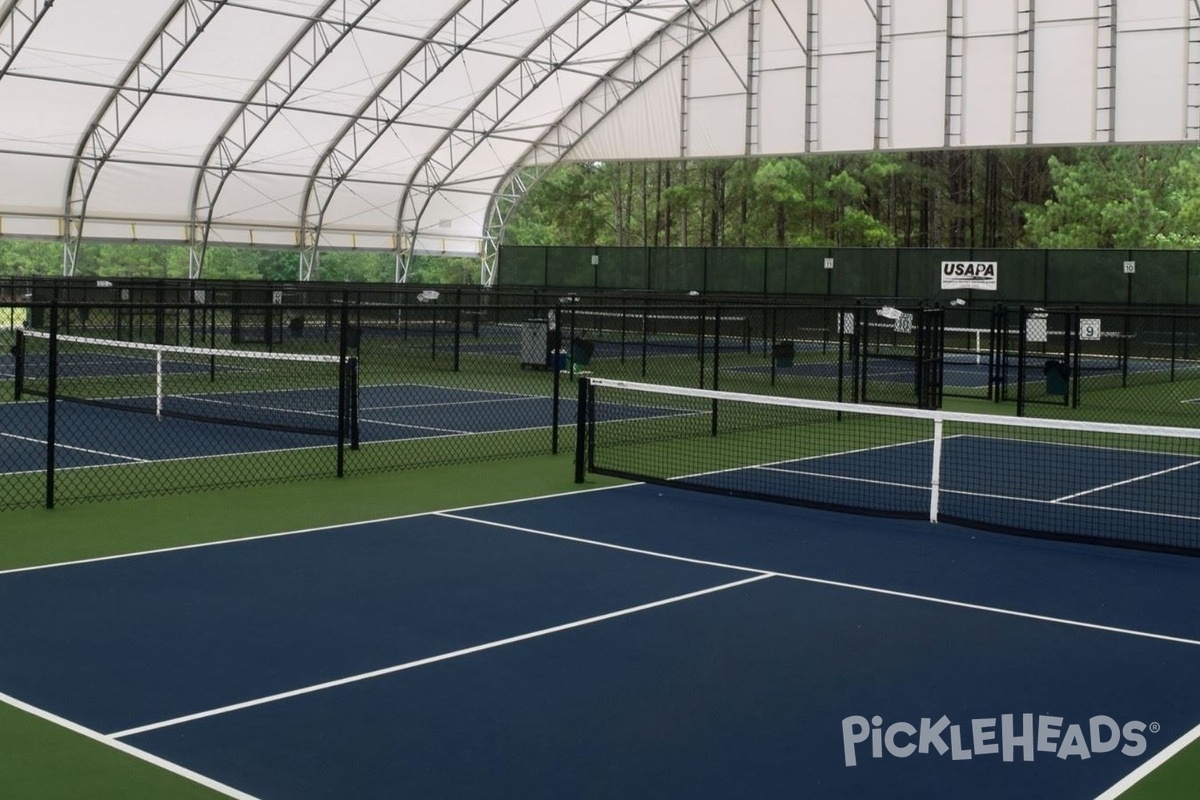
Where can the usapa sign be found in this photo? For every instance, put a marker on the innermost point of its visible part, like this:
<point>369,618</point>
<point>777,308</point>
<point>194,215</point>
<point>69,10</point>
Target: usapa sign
<point>969,275</point>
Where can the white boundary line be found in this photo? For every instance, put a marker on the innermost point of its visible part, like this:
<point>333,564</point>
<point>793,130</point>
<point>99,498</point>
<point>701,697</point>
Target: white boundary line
<point>760,575</point>
<point>127,749</point>
<point>1149,765</point>
<point>1135,479</point>
<point>844,585</point>
<point>847,478</point>
<point>297,532</point>
<point>4,435</point>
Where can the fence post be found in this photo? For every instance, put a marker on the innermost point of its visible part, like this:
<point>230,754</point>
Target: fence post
<point>554,345</point>
<point>341,434</point>
<point>51,403</point>
<point>457,326</point>
<point>581,424</point>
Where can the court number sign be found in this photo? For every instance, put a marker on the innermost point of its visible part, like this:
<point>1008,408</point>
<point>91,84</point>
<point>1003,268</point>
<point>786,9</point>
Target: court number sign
<point>1130,267</point>
<point>969,275</point>
<point>1036,329</point>
<point>1089,330</point>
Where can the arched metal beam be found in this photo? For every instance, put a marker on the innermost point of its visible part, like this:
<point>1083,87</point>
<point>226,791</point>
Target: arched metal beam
<point>540,61</point>
<point>297,60</point>
<point>175,33</point>
<point>18,19</point>
<point>650,57</point>
<point>455,34</point>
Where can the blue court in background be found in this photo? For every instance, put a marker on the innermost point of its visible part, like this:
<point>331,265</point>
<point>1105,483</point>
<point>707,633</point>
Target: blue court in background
<point>637,642</point>
<point>89,435</point>
<point>1051,487</point>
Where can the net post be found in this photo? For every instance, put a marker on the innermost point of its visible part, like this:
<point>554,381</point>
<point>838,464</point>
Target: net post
<point>352,401</point>
<point>341,415</point>
<point>994,364</point>
<point>774,338</point>
<point>1174,333</point>
<point>158,383</point>
<point>554,345</point>
<point>624,328</point>
<point>581,427</point>
<point>457,326</point>
<point>51,403</point>
<point>1022,338</point>
<point>1123,347</point>
<point>433,329</point>
<point>716,364</point>
<point>1076,364</point>
<point>935,478</point>
<point>570,348</point>
<point>842,354</point>
<point>19,365</point>
<point>645,335</point>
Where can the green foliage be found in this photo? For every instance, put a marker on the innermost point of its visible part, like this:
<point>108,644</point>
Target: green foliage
<point>18,258</point>
<point>1115,197</point>
<point>1127,197</point>
<point>30,258</point>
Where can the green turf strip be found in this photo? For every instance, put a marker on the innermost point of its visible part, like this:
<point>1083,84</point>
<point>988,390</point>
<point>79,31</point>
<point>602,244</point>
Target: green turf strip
<point>38,759</point>
<point>1178,779</point>
<point>42,761</point>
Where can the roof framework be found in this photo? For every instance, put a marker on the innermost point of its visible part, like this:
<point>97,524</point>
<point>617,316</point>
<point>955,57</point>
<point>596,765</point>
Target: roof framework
<point>418,128</point>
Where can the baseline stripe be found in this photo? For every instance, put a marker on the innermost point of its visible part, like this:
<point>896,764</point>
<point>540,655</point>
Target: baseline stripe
<point>1127,481</point>
<point>1161,757</point>
<point>128,749</point>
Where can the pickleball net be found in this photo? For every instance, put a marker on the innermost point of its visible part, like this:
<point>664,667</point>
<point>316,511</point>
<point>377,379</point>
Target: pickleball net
<point>293,392</point>
<point>1122,484</point>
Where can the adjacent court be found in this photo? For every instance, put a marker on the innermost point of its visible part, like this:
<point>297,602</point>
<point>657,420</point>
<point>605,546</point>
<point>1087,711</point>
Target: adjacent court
<point>93,435</point>
<point>578,646</point>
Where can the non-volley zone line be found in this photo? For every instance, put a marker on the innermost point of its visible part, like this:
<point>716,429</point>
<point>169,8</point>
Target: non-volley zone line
<point>89,451</point>
<point>757,575</point>
<point>1067,501</point>
<point>858,587</point>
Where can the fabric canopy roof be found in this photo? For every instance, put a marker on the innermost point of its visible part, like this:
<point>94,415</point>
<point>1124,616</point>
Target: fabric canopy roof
<point>416,127</point>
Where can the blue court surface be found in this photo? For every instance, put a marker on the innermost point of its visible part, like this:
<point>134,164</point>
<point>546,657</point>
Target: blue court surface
<point>967,374</point>
<point>1049,487</point>
<point>959,376</point>
<point>632,642</point>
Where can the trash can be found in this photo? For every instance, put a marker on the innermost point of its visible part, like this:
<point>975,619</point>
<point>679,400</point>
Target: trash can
<point>581,352</point>
<point>1056,377</point>
<point>784,354</point>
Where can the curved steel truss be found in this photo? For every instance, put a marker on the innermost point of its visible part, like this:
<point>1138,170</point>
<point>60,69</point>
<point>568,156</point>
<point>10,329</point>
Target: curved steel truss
<point>418,127</point>
<point>308,49</point>
<point>666,45</point>
<point>183,23</point>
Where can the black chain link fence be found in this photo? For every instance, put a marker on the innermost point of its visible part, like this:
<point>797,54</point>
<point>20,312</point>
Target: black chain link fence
<point>162,389</point>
